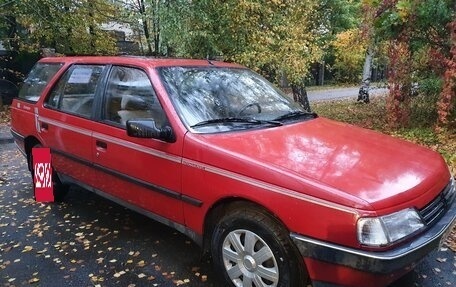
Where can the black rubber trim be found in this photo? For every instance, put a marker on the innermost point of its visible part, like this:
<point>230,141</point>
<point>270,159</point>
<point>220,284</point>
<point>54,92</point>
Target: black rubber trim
<point>137,181</point>
<point>197,238</point>
<point>324,284</point>
<point>17,136</point>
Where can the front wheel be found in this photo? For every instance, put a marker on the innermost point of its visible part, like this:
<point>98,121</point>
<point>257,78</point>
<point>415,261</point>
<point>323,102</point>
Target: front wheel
<point>252,249</point>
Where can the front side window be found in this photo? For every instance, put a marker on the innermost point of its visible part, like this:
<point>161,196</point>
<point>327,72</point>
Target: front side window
<point>75,91</point>
<point>214,99</point>
<point>37,79</point>
<point>130,95</point>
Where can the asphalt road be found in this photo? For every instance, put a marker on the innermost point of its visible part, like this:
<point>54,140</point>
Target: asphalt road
<point>89,241</point>
<point>317,94</point>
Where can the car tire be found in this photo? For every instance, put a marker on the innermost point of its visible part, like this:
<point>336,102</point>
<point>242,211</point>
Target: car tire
<point>60,190</point>
<point>251,248</point>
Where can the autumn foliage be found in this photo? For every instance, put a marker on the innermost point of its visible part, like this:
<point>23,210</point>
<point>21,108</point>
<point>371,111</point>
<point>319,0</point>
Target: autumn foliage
<point>421,39</point>
<point>349,51</point>
<point>448,95</point>
<point>398,101</point>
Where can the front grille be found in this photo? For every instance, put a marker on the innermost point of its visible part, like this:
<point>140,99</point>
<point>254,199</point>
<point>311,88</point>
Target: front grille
<point>436,208</point>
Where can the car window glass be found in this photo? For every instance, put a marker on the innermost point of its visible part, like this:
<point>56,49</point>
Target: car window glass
<point>75,91</point>
<point>130,95</point>
<point>207,93</point>
<point>37,80</point>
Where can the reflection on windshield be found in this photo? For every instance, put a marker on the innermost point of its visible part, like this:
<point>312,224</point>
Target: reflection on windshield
<point>206,93</point>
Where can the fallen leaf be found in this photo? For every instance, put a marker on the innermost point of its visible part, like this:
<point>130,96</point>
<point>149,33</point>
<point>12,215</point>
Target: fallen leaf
<point>27,249</point>
<point>34,280</point>
<point>41,251</point>
<point>118,274</point>
<point>441,260</point>
<point>141,263</point>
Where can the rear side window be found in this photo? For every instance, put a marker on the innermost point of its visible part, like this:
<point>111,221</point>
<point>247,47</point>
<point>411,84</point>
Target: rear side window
<point>37,79</point>
<point>75,91</point>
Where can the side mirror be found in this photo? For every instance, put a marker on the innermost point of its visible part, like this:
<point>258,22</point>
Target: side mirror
<point>146,128</point>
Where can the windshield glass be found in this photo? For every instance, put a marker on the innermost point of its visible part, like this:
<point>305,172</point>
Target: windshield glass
<point>206,96</point>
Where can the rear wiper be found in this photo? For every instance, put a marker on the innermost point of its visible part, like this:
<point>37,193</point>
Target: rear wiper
<point>296,114</point>
<point>236,120</point>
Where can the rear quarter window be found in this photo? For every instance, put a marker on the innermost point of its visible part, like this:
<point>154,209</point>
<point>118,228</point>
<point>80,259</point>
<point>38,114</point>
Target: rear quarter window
<point>37,80</point>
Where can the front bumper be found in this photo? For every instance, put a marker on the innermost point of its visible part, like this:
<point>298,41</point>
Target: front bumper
<point>394,261</point>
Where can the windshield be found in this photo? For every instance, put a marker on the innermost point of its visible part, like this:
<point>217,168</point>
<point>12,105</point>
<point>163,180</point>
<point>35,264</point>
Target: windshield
<point>213,99</point>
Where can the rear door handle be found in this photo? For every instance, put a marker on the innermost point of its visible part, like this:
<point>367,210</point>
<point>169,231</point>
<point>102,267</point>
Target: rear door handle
<point>44,126</point>
<point>101,144</point>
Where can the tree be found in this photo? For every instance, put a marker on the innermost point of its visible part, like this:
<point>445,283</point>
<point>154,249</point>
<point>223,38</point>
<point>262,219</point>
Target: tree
<point>273,37</point>
<point>138,11</point>
<point>70,27</point>
<point>349,51</point>
<point>415,28</point>
<point>335,17</point>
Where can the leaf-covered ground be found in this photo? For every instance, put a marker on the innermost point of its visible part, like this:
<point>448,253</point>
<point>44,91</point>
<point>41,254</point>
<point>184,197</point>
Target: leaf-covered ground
<point>5,116</point>
<point>87,240</point>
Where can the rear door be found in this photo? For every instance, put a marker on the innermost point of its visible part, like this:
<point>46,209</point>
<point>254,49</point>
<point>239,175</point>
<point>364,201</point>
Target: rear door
<point>65,121</point>
<point>144,173</point>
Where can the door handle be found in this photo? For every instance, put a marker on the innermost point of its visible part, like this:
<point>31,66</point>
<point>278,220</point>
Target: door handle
<point>44,126</point>
<point>101,144</point>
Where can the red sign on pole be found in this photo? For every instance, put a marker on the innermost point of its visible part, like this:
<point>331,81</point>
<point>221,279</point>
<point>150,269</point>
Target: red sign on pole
<point>42,171</point>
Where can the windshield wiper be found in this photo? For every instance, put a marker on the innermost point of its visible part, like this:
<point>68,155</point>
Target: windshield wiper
<point>295,115</point>
<point>236,120</point>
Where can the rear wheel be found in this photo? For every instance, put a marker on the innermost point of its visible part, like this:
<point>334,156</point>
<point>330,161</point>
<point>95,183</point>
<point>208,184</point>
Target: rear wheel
<point>251,248</point>
<point>60,190</point>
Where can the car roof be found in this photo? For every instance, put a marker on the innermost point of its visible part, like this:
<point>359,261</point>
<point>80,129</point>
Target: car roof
<point>137,60</point>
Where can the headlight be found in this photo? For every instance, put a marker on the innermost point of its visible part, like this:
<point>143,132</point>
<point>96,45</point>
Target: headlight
<point>387,229</point>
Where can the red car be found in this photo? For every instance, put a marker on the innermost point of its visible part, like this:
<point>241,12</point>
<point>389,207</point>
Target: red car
<point>277,195</point>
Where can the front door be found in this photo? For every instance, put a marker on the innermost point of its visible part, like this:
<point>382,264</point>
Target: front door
<point>144,173</point>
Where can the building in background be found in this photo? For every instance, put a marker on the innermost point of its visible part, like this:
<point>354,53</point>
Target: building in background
<point>126,38</point>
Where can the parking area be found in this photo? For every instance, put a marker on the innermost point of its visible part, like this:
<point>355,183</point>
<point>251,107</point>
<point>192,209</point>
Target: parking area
<point>89,241</point>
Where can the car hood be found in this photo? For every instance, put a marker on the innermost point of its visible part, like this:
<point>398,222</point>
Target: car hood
<point>342,161</point>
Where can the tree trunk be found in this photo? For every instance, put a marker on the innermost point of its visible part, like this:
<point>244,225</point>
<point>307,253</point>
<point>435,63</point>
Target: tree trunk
<point>12,27</point>
<point>321,73</point>
<point>368,64</point>
<point>300,95</point>
<point>363,94</point>
<point>156,27</point>
<point>145,27</point>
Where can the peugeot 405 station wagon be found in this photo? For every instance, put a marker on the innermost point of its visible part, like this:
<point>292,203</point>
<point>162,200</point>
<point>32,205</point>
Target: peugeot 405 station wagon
<point>275,194</point>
